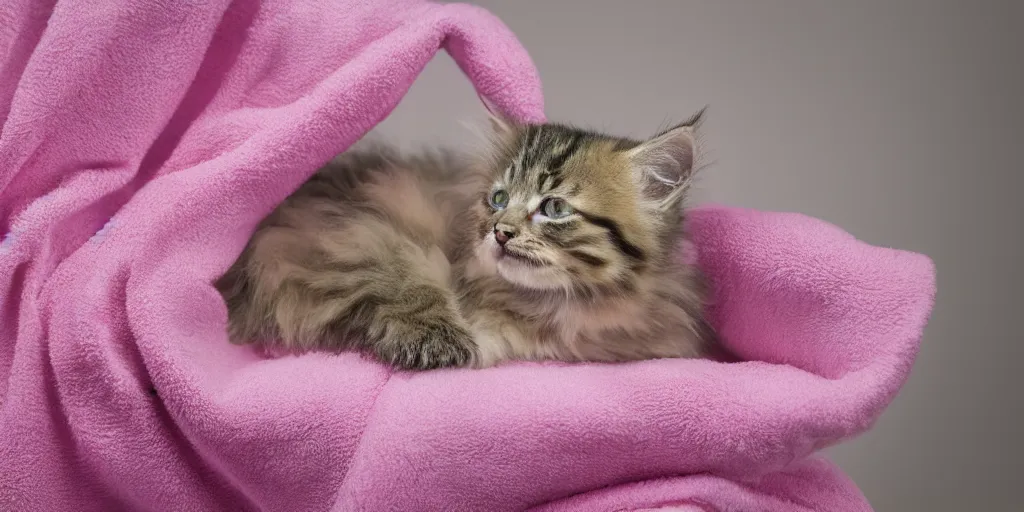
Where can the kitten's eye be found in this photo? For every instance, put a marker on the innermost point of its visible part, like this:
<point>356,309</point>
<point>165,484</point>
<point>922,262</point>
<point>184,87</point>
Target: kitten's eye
<point>499,199</point>
<point>555,208</point>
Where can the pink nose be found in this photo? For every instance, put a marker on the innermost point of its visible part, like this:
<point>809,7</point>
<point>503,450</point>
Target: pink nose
<point>502,236</point>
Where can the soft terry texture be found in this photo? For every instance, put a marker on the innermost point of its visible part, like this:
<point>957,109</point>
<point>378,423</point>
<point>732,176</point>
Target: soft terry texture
<point>141,144</point>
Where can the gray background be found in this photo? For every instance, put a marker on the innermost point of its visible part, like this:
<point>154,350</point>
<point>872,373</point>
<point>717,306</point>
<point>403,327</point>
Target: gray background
<point>895,119</point>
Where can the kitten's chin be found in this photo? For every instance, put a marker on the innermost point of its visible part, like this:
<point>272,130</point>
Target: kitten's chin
<point>527,275</point>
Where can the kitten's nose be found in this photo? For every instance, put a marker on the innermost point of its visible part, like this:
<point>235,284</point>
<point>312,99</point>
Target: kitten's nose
<point>503,234</point>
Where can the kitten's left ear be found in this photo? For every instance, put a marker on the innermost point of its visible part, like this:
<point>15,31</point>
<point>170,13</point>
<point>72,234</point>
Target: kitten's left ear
<point>501,125</point>
<point>665,163</point>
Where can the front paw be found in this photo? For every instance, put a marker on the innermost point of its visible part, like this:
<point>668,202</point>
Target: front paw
<point>437,346</point>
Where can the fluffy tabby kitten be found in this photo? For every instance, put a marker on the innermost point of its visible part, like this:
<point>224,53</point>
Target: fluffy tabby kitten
<point>560,244</point>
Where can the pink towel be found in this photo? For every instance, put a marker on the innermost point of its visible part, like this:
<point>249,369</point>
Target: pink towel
<point>141,143</point>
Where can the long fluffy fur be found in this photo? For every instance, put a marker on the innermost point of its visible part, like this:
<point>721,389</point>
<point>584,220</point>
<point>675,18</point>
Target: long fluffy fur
<point>397,255</point>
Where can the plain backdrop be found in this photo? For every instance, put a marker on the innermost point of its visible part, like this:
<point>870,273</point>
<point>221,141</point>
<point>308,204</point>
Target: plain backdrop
<point>901,121</point>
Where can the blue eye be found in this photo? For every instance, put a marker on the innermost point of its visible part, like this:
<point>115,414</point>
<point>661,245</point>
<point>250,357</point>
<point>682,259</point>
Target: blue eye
<point>499,199</point>
<point>556,208</point>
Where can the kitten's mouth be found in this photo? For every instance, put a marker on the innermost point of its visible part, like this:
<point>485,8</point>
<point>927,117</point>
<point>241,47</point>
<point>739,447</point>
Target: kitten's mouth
<point>506,254</point>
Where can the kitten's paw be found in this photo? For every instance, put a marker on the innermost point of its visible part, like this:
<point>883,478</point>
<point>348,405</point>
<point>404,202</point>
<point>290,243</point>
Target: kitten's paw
<point>439,346</point>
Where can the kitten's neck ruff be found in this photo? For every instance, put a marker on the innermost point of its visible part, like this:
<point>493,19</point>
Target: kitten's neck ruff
<point>591,308</point>
<point>519,323</point>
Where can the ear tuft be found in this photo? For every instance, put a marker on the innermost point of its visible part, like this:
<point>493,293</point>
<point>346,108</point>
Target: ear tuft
<point>665,163</point>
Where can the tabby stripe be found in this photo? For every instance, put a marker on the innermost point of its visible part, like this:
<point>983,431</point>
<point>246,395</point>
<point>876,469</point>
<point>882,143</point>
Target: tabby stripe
<point>573,242</point>
<point>616,234</point>
<point>536,141</point>
<point>524,152</point>
<point>588,258</point>
<point>555,164</point>
<point>555,228</point>
<point>557,182</point>
<point>558,160</point>
<point>542,178</point>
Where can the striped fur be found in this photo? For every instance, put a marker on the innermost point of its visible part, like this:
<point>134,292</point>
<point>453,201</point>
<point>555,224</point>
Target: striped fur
<point>399,256</point>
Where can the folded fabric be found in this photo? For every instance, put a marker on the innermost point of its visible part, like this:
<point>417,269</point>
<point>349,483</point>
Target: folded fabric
<point>141,143</point>
<point>809,485</point>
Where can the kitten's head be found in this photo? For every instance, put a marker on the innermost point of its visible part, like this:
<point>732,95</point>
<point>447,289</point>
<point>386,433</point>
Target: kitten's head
<point>575,210</point>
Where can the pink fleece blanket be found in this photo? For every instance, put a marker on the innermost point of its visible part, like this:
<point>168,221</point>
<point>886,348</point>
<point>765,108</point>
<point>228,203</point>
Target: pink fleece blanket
<point>141,143</point>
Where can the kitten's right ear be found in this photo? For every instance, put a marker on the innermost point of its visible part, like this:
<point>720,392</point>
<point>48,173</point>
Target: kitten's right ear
<point>665,163</point>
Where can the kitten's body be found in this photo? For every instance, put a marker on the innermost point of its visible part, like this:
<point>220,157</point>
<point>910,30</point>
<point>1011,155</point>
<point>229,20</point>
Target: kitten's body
<point>401,257</point>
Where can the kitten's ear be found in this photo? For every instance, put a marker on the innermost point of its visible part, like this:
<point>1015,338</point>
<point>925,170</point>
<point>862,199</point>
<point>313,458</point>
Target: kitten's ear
<point>665,163</point>
<point>501,125</point>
